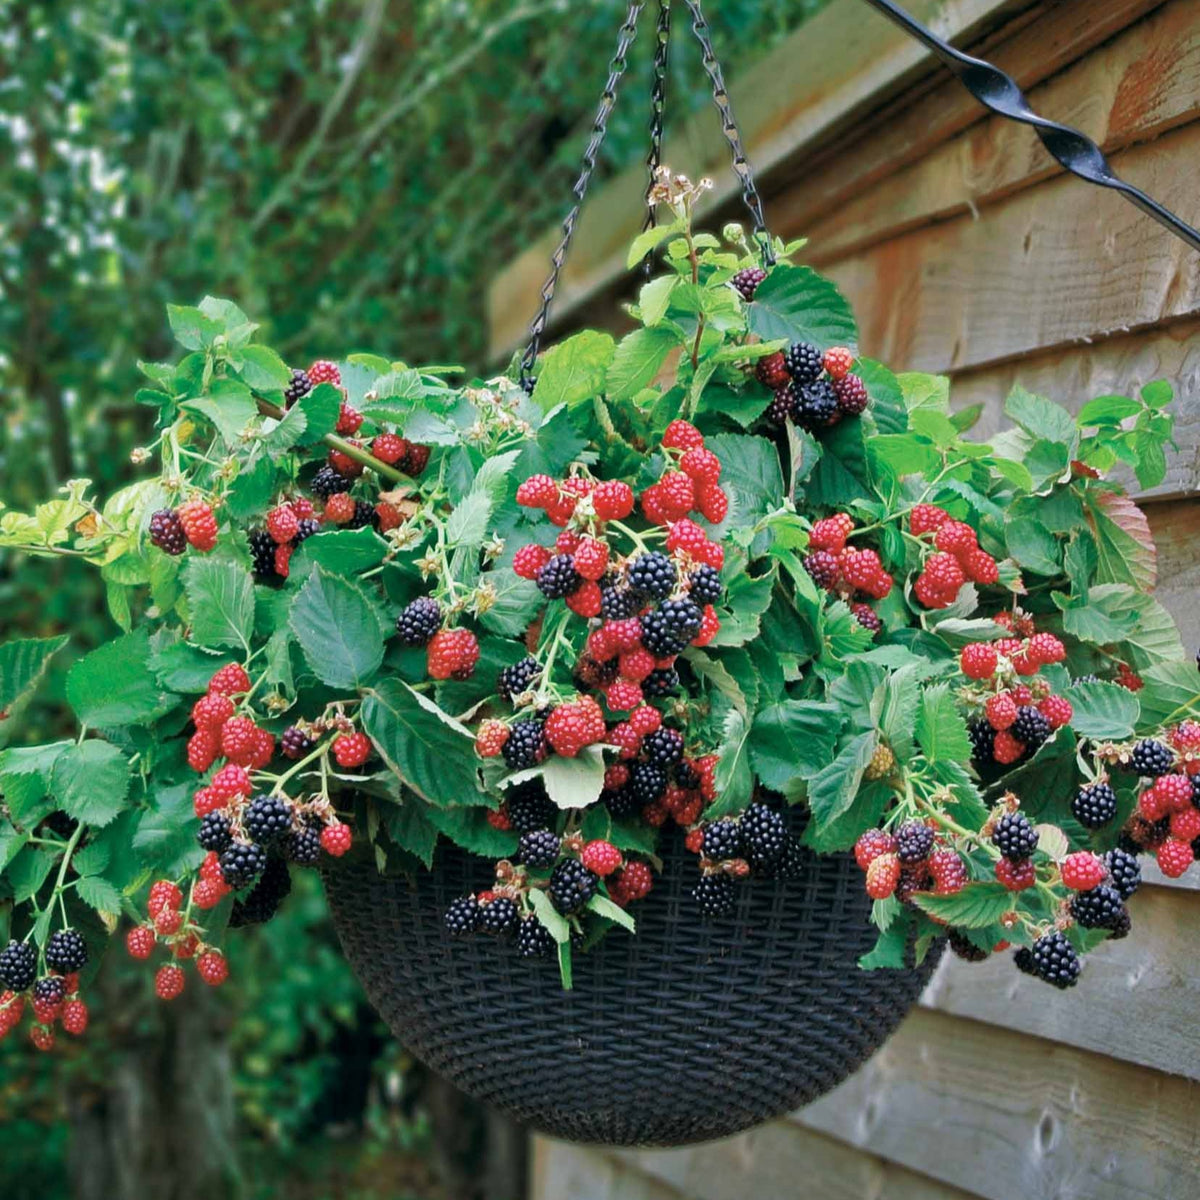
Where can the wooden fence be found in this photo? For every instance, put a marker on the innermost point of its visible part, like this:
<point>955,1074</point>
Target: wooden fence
<point>966,250</point>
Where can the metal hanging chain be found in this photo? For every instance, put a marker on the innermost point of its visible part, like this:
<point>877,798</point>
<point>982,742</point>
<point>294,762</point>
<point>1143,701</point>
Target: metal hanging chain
<point>729,128</point>
<point>1001,94</point>
<point>658,106</point>
<point>608,98</point>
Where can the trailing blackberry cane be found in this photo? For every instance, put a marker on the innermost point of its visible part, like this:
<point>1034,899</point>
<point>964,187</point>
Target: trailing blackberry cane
<point>682,697</point>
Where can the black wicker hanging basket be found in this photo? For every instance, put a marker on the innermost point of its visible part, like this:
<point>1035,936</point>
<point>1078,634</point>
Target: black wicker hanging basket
<point>698,1029</point>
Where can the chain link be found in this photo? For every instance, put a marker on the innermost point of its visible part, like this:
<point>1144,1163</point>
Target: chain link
<point>658,105</point>
<point>729,128</point>
<point>608,98</point>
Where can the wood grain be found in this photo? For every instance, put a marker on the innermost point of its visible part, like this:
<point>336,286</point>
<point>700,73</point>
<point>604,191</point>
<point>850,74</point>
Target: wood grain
<point>1003,1114</point>
<point>1135,88</point>
<point>1060,263</point>
<point>1175,525</point>
<point>1137,1000</point>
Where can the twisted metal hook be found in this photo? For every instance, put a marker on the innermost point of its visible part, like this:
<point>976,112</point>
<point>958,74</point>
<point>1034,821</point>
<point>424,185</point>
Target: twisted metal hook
<point>1072,149</point>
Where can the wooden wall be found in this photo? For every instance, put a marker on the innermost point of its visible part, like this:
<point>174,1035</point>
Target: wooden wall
<point>965,249</point>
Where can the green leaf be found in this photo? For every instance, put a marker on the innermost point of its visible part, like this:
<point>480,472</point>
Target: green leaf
<point>792,739</point>
<point>977,905</point>
<point>831,792</point>
<point>574,370</point>
<point>468,523</point>
<point>192,329</point>
<point>1041,418</point>
<point>285,433</point>
<point>517,602</point>
<point>891,947</point>
<point>345,551</point>
<point>220,596</point>
<point>734,779</point>
<point>430,752</point>
<point>228,406</point>
<point>570,782</point>
<point>648,240</point>
<point>941,730</point>
<point>901,700</point>
<point>1158,393</point>
<point>1124,544</point>
<point>638,359</point>
<point>409,826</point>
<point>28,871</point>
<point>1172,692</point>
<point>339,628</point>
<point>91,781</point>
<point>750,474</point>
<point>921,392</point>
<point>549,916</point>
<point>22,664</point>
<point>113,685</point>
<point>602,906</point>
<point>261,368</point>
<point>1103,711</point>
<point>251,491</point>
<point>97,893</point>
<point>165,841</point>
<point>470,829</point>
<point>1033,546</point>
<point>321,408</point>
<point>1107,410</point>
<point>799,305</point>
<point>655,298</point>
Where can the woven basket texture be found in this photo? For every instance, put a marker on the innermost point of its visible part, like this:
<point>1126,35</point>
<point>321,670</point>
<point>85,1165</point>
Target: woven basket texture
<point>681,1033</point>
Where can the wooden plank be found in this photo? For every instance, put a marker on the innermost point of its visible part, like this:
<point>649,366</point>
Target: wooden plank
<point>1176,528</point>
<point>1063,262</point>
<point>1137,87</point>
<point>770,1161</point>
<point>1004,1114</point>
<point>560,1170</point>
<point>1138,1001</point>
<point>796,93</point>
<point>1115,366</point>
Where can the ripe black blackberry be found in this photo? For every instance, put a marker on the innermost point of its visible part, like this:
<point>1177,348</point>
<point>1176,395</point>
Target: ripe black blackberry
<point>965,948</point>
<point>534,940</point>
<point>652,575</point>
<point>791,864</point>
<point>498,916</point>
<point>419,621</point>
<point>268,819</point>
<point>166,532</point>
<point>664,746</point>
<point>462,916</point>
<point>764,833</point>
<point>18,966</point>
<point>262,902</point>
<point>1121,927</point>
<point>983,741</point>
<point>1015,837</point>
<point>518,677</point>
<point>300,385</point>
<point>1151,758</point>
<point>914,842</point>
<point>670,626</point>
<point>816,405</point>
<point>558,578</point>
<point>526,745</point>
<point>539,848</point>
<point>715,895</point>
<point>327,482</point>
<point>1030,728</point>
<point>704,585</point>
<point>215,832</point>
<point>722,840</point>
<point>262,553</point>
<point>1098,908</point>
<point>746,281</point>
<point>1094,806</point>
<point>661,682</point>
<point>66,951</point>
<point>783,404</point>
<point>804,363</point>
<point>295,743</point>
<point>1053,959</point>
<point>647,782</point>
<point>621,802</point>
<point>242,863</point>
<point>1124,871</point>
<point>686,776</point>
<point>617,602</point>
<point>50,989</point>
<point>571,885</point>
<point>529,807</point>
<point>304,846</point>
<point>364,515</point>
<point>305,528</point>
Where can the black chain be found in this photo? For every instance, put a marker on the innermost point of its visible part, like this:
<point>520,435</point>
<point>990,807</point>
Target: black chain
<point>658,106</point>
<point>599,129</point>
<point>729,128</point>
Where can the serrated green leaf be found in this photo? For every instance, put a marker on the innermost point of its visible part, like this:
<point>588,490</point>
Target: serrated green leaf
<point>97,893</point>
<point>637,361</point>
<point>792,739</point>
<point>1107,410</point>
<point>90,782</point>
<point>467,525</point>
<point>113,685</point>
<point>22,664</point>
<point>891,947</point>
<point>832,791</point>
<point>263,369</point>
<point>602,906</point>
<point>571,782</point>
<point>573,371</point>
<point>1103,711</point>
<point>192,329</point>
<point>321,409</point>
<point>1033,546</point>
<point>977,905</point>
<point>345,551</point>
<point>165,840</point>
<point>220,597</point>
<point>470,829</point>
<point>797,304</point>
<point>228,406</point>
<point>941,730</point>
<point>655,298</point>
<point>339,629</point>
<point>1171,692</point>
<point>549,916</point>
<point>1041,418</point>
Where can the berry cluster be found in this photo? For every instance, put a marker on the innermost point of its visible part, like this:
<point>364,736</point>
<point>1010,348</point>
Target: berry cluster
<point>449,653</point>
<point>812,389</point>
<point>287,525</point>
<point>911,858</point>
<point>193,523</point>
<point>955,557</point>
<point>49,990</point>
<point>1014,718</point>
<point>169,924</point>
<point>855,573</point>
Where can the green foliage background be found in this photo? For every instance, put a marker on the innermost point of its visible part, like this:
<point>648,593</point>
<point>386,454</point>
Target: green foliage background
<point>355,170</point>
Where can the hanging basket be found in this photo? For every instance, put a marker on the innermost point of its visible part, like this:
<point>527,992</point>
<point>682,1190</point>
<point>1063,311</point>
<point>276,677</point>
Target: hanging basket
<point>703,1029</point>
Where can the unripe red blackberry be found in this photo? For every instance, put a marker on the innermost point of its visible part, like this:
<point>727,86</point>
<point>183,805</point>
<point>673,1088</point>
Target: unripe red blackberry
<point>772,371</point>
